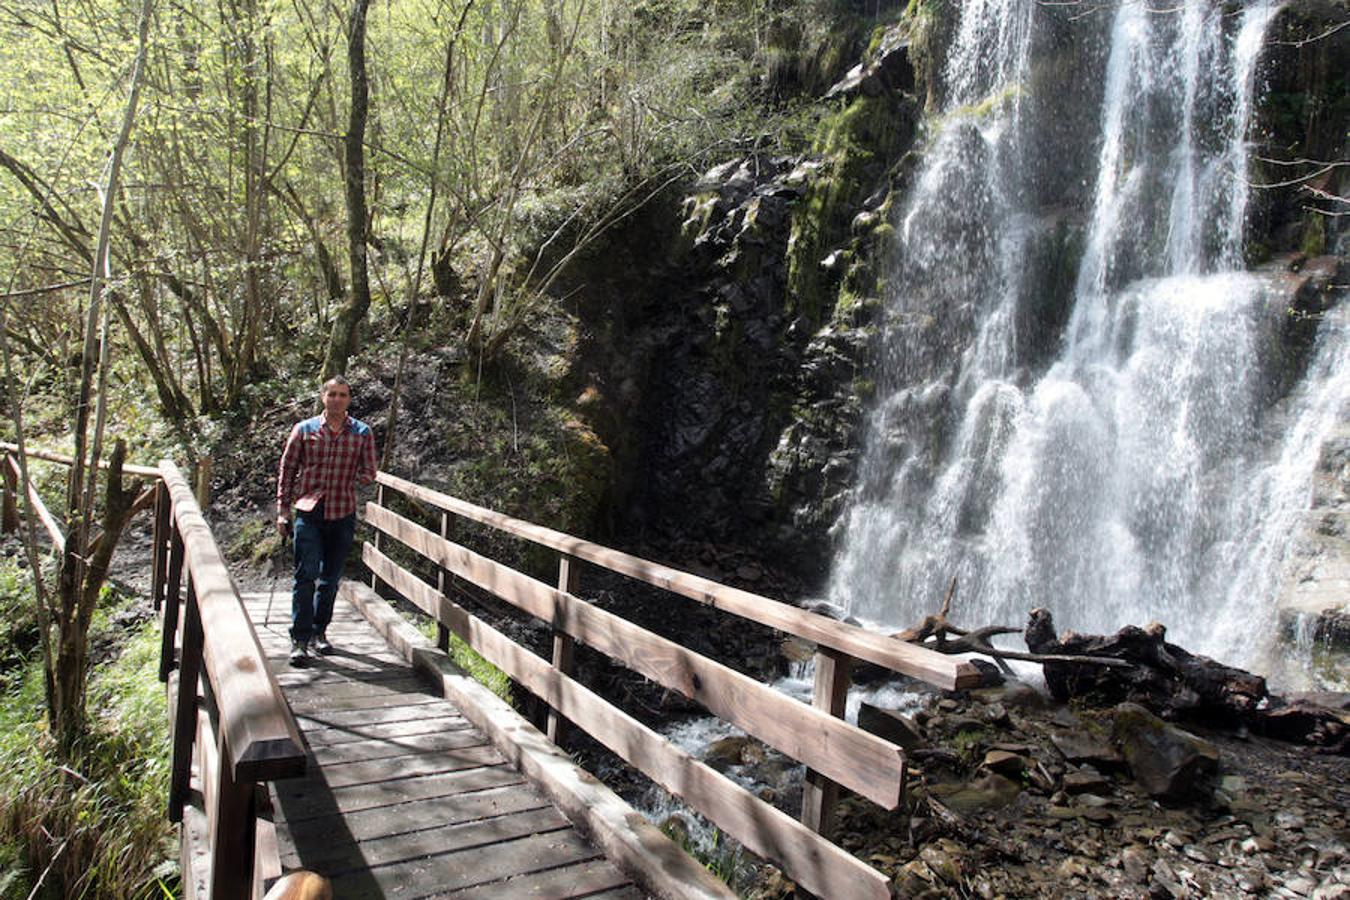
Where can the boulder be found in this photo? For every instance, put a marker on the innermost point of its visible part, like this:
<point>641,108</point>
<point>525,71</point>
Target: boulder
<point>891,725</point>
<point>1169,763</point>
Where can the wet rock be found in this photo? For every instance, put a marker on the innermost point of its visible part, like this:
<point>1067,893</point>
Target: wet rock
<point>1258,844</point>
<point>1012,694</point>
<point>1165,881</point>
<point>892,726</point>
<point>1299,885</point>
<point>732,751</point>
<point>889,70</point>
<point>996,714</point>
<point>943,860</point>
<point>988,793</point>
<point>1167,762</point>
<point>1251,880</point>
<point>1085,780</point>
<point>1077,747</point>
<point>1004,763</point>
<point>1290,820</point>
<point>915,879</point>
<point>1135,861</point>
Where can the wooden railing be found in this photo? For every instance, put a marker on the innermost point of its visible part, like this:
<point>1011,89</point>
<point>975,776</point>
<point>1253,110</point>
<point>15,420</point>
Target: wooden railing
<point>248,735</point>
<point>835,752</point>
<point>232,722</point>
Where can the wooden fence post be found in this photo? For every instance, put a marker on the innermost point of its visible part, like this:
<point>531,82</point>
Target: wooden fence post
<point>379,538</point>
<point>444,580</point>
<point>9,516</point>
<point>173,582</point>
<point>185,716</point>
<point>203,491</point>
<point>234,833</point>
<point>159,551</point>
<point>564,646</point>
<point>820,794</point>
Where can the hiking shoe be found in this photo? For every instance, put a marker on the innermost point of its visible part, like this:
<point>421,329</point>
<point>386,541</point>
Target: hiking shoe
<point>320,644</point>
<point>299,653</point>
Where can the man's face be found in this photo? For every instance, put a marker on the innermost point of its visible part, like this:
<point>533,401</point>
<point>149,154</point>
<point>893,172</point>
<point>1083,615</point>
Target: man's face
<point>336,399</point>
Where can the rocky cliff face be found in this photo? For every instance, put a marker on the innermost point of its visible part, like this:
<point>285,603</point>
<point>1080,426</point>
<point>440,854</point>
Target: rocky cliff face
<point>729,342</point>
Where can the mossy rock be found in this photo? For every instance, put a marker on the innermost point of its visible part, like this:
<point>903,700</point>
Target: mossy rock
<point>858,145</point>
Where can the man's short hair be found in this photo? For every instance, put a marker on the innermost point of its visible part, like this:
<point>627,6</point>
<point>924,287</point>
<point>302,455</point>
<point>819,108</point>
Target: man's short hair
<point>336,379</point>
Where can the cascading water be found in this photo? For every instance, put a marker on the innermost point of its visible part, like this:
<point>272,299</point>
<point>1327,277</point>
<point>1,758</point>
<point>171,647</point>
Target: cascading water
<point>1135,470</point>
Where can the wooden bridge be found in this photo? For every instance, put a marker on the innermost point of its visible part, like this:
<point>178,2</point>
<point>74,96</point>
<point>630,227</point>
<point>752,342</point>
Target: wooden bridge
<point>388,770</point>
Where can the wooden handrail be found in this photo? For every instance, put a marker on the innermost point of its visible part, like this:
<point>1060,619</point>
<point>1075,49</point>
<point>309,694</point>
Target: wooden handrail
<point>930,666</point>
<point>63,459</point>
<point>835,752</point>
<point>258,728</point>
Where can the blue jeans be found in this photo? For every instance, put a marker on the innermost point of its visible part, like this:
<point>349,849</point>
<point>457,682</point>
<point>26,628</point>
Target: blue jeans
<point>321,547</point>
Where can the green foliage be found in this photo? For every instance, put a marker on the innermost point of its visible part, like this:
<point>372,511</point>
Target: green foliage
<point>969,744</point>
<point>724,861</point>
<point>18,616</point>
<point>468,659</point>
<point>257,542</point>
<point>97,825</point>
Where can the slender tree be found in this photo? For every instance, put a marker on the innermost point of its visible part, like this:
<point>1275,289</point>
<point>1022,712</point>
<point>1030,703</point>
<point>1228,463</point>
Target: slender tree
<point>347,324</point>
<point>86,556</point>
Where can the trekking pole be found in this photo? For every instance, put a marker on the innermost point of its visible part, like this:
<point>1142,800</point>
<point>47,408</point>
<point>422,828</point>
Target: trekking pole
<point>276,576</point>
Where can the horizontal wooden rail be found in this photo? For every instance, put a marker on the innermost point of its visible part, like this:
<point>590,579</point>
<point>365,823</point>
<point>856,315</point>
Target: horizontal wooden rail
<point>934,668</point>
<point>49,523</point>
<point>63,459</point>
<point>816,864</point>
<point>855,758</point>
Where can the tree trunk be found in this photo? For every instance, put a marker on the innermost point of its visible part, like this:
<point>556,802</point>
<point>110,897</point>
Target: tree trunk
<point>66,679</point>
<point>342,341</point>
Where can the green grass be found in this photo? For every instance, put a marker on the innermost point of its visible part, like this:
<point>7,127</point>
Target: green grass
<point>94,827</point>
<point>468,659</point>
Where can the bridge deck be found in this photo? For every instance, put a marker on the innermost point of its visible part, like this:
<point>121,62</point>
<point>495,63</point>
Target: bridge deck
<point>404,797</point>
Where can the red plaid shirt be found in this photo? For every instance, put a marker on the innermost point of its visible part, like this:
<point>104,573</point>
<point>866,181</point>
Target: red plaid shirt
<point>319,465</point>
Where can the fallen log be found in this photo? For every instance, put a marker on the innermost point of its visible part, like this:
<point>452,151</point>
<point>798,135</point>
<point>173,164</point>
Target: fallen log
<point>933,633</point>
<point>1161,676</point>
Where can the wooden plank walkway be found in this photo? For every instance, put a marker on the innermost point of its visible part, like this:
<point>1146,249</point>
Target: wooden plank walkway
<point>404,798</point>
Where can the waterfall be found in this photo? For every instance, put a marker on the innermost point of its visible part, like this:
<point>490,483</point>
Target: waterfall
<point>1137,469</point>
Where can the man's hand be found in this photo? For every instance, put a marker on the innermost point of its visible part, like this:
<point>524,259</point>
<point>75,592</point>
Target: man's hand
<point>284,527</point>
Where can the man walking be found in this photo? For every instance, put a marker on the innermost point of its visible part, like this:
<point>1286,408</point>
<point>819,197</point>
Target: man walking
<point>326,457</point>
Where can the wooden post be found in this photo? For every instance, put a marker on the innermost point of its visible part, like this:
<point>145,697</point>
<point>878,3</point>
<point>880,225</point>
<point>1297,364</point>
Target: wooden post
<point>820,794</point>
<point>564,647</point>
<point>185,715</point>
<point>233,831</point>
<point>444,580</point>
<point>379,538</point>
<point>9,515</point>
<point>173,581</point>
<point>159,555</point>
<point>203,491</point>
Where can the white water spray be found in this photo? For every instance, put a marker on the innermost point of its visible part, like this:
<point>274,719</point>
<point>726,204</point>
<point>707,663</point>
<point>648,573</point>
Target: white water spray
<point>1143,476</point>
